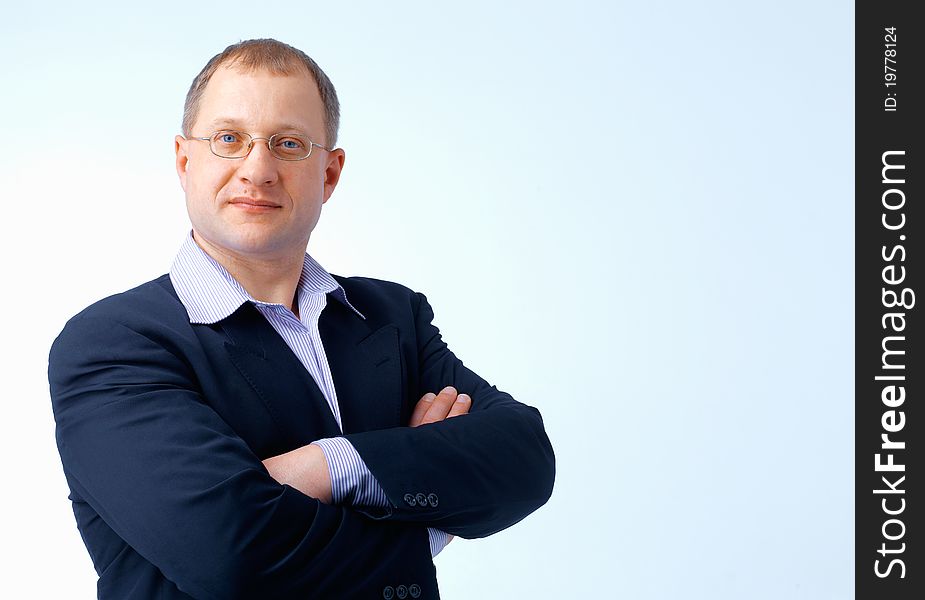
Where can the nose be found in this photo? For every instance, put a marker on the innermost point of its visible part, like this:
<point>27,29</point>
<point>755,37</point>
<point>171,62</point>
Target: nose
<point>259,167</point>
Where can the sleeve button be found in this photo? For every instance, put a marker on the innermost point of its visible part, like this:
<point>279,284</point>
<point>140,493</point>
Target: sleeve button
<point>421,499</point>
<point>402,592</point>
<point>415,590</point>
<point>388,593</point>
<point>410,499</point>
<point>432,498</point>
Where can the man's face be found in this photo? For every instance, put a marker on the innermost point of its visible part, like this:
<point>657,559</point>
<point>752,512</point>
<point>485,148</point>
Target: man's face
<point>258,207</point>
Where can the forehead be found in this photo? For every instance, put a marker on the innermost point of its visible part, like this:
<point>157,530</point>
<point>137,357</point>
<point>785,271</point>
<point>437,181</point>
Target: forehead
<point>261,102</point>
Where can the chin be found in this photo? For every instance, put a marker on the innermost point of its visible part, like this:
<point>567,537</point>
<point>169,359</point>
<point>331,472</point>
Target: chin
<point>266,243</point>
<point>253,238</point>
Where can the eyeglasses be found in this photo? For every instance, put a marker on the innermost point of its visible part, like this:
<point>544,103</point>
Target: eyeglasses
<point>284,146</point>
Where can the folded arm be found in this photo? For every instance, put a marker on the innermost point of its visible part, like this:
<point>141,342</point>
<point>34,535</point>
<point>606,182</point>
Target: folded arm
<point>480,473</point>
<point>470,476</point>
<point>309,468</point>
<point>175,482</point>
<point>332,471</point>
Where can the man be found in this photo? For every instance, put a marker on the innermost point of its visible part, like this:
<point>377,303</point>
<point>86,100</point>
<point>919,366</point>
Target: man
<point>250,426</point>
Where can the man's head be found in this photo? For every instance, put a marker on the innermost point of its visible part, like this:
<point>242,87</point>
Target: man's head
<point>276,58</point>
<point>258,206</point>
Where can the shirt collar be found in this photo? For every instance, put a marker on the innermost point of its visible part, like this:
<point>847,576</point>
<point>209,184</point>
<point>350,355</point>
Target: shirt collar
<point>209,292</point>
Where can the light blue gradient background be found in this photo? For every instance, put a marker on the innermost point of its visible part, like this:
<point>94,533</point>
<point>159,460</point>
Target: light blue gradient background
<point>637,217</point>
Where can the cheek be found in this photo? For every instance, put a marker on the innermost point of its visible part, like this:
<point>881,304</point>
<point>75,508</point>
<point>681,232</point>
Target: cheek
<point>203,187</point>
<point>306,193</point>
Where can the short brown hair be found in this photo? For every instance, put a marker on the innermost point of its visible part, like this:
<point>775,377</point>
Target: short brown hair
<point>277,58</point>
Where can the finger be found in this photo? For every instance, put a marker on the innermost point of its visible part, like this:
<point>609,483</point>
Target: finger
<point>440,406</point>
<point>461,406</point>
<point>420,409</point>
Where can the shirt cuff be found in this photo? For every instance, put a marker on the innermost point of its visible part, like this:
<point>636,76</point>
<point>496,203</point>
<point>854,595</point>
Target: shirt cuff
<point>438,540</point>
<point>352,483</point>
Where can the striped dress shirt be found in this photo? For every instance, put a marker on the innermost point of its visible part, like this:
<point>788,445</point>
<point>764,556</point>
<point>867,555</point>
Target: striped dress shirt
<point>209,293</point>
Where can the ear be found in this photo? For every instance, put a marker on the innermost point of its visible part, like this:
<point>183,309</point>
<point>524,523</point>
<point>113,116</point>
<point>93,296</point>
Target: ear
<point>332,170</point>
<point>180,146</point>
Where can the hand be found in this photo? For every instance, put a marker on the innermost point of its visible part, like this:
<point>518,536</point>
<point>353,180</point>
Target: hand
<point>305,469</point>
<point>432,408</point>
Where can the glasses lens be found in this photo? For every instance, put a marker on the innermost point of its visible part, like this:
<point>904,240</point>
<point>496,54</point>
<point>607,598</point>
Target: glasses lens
<point>290,147</point>
<point>230,144</point>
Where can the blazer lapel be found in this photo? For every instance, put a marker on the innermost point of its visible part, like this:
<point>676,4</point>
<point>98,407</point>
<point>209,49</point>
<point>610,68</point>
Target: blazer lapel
<point>366,366</point>
<point>283,384</point>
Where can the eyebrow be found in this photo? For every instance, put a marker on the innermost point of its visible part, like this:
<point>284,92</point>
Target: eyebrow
<point>235,124</point>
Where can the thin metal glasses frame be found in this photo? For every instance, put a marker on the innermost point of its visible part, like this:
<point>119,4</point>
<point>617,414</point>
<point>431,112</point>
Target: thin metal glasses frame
<point>250,144</point>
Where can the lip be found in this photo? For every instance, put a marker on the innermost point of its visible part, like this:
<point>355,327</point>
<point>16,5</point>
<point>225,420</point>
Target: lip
<point>253,204</point>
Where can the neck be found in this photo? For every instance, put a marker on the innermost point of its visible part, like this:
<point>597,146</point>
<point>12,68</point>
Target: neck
<point>271,279</point>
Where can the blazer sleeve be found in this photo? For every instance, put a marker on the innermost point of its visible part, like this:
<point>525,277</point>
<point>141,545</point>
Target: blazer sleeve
<point>172,479</point>
<point>472,475</point>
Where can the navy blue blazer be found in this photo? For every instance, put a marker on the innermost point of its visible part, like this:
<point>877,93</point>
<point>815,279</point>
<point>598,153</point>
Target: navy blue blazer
<point>162,425</point>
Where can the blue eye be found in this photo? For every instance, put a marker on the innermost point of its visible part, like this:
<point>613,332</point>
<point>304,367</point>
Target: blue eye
<point>228,138</point>
<point>290,143</point>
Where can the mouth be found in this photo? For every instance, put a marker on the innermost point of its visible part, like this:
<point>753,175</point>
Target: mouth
<point>253,204</point>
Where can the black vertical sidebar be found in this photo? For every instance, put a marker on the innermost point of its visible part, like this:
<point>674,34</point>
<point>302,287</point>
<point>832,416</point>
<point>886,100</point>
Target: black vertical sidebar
<point>889,365</point>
